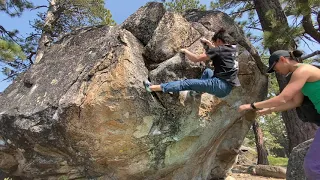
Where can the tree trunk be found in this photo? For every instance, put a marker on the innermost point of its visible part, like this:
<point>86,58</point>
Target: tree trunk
<point>262,152</point>
<point>46,37</point>
<point>298,131</point>
<point>307,22</point>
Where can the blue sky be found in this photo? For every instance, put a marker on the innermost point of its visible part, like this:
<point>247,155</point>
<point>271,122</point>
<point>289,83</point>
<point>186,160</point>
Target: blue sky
<point>120,9</point>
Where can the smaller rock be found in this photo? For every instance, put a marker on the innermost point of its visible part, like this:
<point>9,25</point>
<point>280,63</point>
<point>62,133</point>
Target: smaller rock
<point>295,163</point>
<point>270,171</point>
<point>7,162</point>
<point>247,156</point>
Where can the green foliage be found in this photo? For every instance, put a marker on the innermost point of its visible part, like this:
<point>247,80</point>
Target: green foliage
<point>75,14</point>
<point>244,13</point>
<point>184,5</point>
<point>225,4</point>
<point>249,140</point>
<point>275,134</point>
<point>108,18</point>
<point>14,8</point>
<point>81,13</point>
<point>282,35</point>
<point>278,161</point>
<point>9,51</point>
<point>296,8</point>
<point>12,53</point>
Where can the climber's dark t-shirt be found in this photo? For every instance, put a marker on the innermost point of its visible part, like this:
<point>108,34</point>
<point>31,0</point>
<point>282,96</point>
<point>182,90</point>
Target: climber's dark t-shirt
<point>225,63</point>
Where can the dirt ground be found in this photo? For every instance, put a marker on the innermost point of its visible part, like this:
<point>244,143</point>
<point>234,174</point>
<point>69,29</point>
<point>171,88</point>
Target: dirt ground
<point>243,176</point>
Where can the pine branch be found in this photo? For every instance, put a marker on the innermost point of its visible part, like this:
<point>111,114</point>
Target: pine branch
<point>231,4</point>
<point>252,27</point>
<point>255,40</point>
<point>305,42</point>
<point>310,55</point>
<point>7,32</point>
<point>10,77</point>
<point>38,7</point>
<point>255,23</point>
<point>310,39</point>
<point>30,56</point>
<point>241,11</point>
<point>33,35</point>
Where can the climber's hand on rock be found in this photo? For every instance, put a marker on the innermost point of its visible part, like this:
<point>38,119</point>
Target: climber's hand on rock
<point>207,42</point>
<point>183,50</point>
<point>244,107</point>
<point>204,40</point>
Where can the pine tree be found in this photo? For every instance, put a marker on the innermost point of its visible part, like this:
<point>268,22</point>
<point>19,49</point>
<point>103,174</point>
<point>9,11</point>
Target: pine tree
<point>301,13</point>
<point>181,6</point>
<point>12,46</point>
<point>63,16</point>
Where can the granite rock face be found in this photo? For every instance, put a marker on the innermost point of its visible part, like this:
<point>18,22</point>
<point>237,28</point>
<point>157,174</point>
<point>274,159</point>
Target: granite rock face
<point>295,169</point>
<point>82,112</point>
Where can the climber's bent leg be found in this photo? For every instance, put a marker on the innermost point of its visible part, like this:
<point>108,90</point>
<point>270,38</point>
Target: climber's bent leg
<point>215,86</point>
<point>207,74</point>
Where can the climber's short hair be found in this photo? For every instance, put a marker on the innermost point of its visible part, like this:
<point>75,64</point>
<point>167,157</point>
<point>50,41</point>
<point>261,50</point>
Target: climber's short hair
<point>223,36</point>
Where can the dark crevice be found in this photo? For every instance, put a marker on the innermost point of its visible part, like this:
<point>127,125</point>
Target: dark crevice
<point>120,38</point>
<point>79,113</point>
<point>155,95</point>
<point>157,98</point>
<point>28,84</point>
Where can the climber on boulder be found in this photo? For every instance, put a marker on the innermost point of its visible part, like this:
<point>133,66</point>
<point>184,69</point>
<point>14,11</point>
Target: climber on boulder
<point>218,82</point>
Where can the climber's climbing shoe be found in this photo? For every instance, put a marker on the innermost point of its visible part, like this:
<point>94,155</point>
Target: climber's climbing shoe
<point>147,85</point>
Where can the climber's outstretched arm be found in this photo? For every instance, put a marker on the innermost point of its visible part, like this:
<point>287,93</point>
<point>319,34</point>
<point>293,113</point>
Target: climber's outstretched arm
<point>290,105</point>
<point>194,57</point>
<point>293,103</point>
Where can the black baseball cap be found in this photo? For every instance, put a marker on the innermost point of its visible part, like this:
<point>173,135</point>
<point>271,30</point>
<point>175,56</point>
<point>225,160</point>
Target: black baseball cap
<point>274,58</point>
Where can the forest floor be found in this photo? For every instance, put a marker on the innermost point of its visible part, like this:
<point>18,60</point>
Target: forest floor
<point>244,176</point>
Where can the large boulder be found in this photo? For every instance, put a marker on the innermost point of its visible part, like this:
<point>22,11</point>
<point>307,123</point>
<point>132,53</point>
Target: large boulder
<point>82,112</point>
<point>144,22</point>
<point>295,164</point>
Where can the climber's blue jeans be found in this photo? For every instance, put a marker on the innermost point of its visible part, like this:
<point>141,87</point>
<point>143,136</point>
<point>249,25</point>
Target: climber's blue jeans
<point>208,83</point>
<point>312,159</point>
